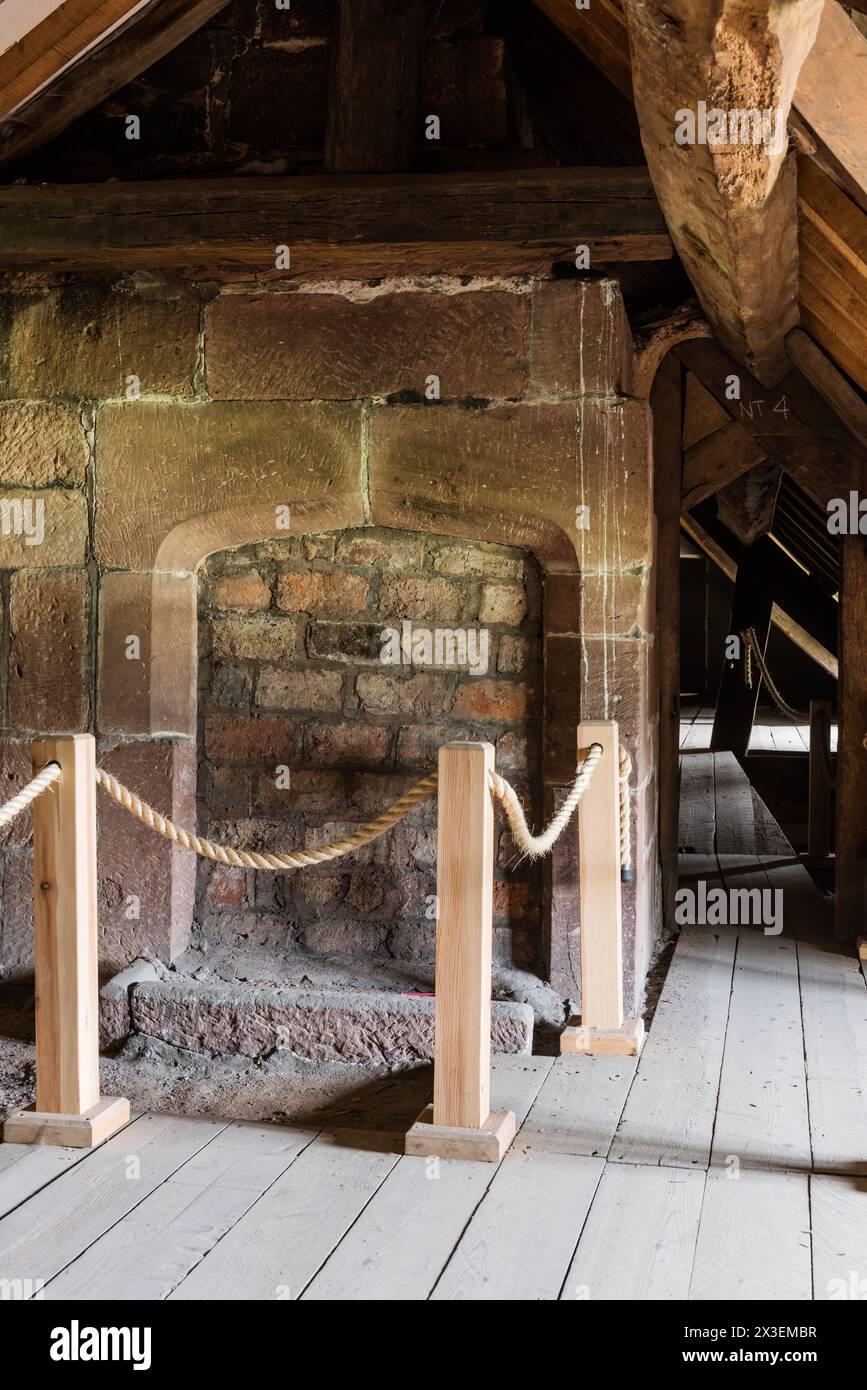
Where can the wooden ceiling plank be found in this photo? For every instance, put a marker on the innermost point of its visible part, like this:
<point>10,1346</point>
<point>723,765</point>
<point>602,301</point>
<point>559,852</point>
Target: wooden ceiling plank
<point>148,35</point>
<point>830,104</point>
<point>53,43</point>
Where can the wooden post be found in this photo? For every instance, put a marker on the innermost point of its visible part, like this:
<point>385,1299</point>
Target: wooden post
<point>373,109</point>
<point>602,1027</point>
<point>667,404</point>
<point>68,1106</point>
<point>819,831</point>
<point>850,860</point>
<point>460,1124</point>
<point>736,702</point>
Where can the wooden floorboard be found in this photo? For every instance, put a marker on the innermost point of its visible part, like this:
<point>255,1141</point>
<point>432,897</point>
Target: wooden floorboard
<point>834,1007</point>
<point>838,1219</point>
<point>520,1242</point>
<point>54,1227</point>
<point>697,813</point>
<point>754,1237</point>
<point>669,1114</point>
<point>24,1171</point>
<point>149,1251</point>
<point>762,1117</point>
<point>733,803</point>
<point>579,1105</point>
<point>405,1235</point>
<point>281,1243</point>
<point>639,1239</point>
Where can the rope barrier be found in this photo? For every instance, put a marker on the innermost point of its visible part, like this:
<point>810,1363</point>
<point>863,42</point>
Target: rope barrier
<point>534,846</point>
<point>28,794</point>
<point>531,845</point>
<point>752,651</point>
<point>255,859</point>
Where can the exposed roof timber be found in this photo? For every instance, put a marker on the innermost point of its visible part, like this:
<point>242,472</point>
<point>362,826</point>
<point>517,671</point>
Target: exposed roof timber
<point>365,225</point>
<point>141,34</point>
<point>717,460</point>
<point>830,108</point>
<point>601,34</point>
<point>731,208</point>
<point>781,619</point>
<point>654,340</point>
<point>54,42</point>
<point>791,423</point>
<point>830,384</point>
<point>833,270</point>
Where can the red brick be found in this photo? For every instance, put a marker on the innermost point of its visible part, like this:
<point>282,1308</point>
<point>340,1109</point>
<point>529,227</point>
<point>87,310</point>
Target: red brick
<point>510,899</point>
<point>503,603</point>
<point>315,793</point>
<point>421,600</point>
<point>503,701</point>
<point>317,691</point>
<point>244,592</point>
<point>227,887</point>
<point>16,768</point>
<point>47,679</point>
<point>351,744</point>
<point>315,592</point>
<point>325,347</point>
<point>422,696</point>
<point>238,739</point>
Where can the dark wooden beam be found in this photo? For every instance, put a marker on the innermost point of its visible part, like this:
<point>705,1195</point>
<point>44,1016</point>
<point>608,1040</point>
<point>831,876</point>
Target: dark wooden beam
<point>805,614</point>
<point>373,104</point>
<point>146,36</point>
<point>736,702</point>
<point>715,461</point>
<point>667,406</point>
<point>851,845</point>
<point>791,422</point>
<point>360,225</point>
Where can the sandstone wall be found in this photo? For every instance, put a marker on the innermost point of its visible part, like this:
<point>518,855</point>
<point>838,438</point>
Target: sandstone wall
<point>160,422</point>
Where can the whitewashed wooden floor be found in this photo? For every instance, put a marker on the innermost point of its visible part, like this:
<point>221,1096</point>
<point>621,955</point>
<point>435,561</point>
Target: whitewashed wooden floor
<point>731,1164</point>
<point>771,733</point>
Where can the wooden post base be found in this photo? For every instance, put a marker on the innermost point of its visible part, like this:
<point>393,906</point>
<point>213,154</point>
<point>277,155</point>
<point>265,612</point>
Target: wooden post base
<point>85,1131</point>
<point>487,1144</point>
<point>625,1041</point>
<point>861,943</point>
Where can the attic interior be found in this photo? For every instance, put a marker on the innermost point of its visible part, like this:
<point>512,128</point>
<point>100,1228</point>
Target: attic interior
<point>389,388</point>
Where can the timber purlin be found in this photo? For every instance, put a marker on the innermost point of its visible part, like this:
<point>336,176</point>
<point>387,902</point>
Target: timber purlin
<point>357,224</point>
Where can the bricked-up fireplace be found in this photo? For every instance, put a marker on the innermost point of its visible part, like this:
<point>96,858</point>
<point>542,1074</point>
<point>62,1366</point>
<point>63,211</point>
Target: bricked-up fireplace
<point>191,420</point>
<point>319,705</point>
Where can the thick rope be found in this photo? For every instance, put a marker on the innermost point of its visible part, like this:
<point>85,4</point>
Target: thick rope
<point>624,774</point>
<point>753,650</point>
<point>50,774</point>
<point>534,846</point>
<point>254,859</point>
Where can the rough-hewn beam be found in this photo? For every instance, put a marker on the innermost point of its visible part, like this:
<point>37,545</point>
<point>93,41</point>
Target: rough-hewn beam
<point>715,461</point>
<point>375,88</point>
<point>365,225</point>
<point>730,206</point>
<point>830,108</point>
<point>790,422</point>
<point>150,31</point>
